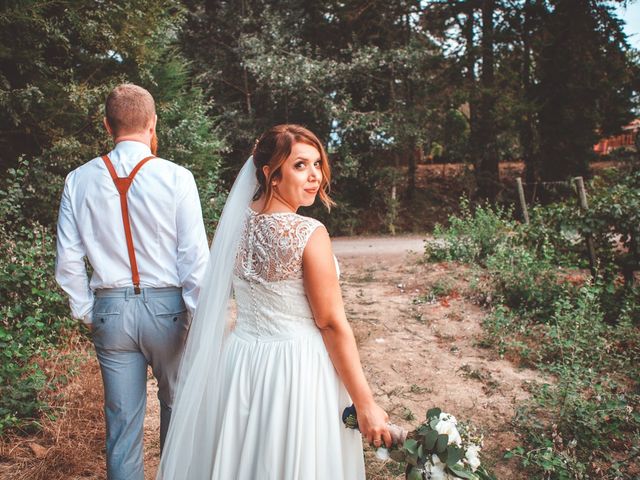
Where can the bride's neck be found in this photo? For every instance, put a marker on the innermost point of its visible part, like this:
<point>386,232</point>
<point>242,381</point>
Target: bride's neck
<point>276,205</point>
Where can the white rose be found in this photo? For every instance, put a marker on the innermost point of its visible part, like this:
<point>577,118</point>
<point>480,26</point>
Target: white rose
<point>447,425</point>
<point>447,417</point>
<point>437,472</point>
<point>382,454</point>
<point>472,456</point>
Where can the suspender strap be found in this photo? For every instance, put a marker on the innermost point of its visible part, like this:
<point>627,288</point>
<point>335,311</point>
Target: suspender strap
<point>123,184</point>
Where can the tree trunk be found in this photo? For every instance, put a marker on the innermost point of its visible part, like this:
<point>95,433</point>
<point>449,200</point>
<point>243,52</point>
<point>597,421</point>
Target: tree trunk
<point>487,174</point>
<point>527,132</point>
<point>415,157</point>
<point>470,61</point>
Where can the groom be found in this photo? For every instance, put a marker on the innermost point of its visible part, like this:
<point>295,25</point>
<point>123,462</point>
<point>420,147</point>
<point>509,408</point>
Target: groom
<point>137,219</point>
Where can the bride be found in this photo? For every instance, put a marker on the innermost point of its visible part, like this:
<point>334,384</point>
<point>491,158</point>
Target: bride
<point>263,399</point>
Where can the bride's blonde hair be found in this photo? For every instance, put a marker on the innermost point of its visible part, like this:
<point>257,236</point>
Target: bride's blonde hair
<point>273,148</point>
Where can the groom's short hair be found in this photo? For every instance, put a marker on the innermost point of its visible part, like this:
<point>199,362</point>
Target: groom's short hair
<point>129,109</point>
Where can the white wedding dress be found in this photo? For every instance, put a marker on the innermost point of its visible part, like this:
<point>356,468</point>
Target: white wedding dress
<point>280,415</point>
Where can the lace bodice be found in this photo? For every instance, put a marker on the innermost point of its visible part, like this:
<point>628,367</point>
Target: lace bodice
<point>272,245</point>
<point>267,281</point>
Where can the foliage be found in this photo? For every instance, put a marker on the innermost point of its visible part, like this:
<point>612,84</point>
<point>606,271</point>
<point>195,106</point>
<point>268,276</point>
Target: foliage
<point>592,409</point>
<point>524,281</point>
<point>33,313</point>
<point>583,332</point>
<point>554,233</point>
<point>362,79</point>
<point>472,236</point>
<point>54,79</point>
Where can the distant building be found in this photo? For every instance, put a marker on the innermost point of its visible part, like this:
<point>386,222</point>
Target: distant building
<point>629,137</point>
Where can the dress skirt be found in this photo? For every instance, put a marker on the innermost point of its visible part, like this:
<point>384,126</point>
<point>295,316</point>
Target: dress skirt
<point>281,411</point>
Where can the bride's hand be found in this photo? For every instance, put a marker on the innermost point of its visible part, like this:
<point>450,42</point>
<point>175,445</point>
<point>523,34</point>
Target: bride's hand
<point>373,424</point>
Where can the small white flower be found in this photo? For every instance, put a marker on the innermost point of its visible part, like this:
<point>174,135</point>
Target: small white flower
<point>382,454</point>
<point>472,456</point>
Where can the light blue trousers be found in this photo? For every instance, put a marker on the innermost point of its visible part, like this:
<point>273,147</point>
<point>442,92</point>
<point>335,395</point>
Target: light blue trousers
<point>131,332</point>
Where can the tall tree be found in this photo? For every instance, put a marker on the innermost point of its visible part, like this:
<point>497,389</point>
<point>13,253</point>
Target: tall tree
<point>58,61</point>
<point>357,73</point>
<point>470,25</point>
<point>585,84</point>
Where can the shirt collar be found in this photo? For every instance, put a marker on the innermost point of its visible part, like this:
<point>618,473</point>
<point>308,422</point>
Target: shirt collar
<point>132,149</point>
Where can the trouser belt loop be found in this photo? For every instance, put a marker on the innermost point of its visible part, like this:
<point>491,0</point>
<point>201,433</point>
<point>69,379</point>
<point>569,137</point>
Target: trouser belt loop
<point>126,295</point>
<point>145,295</point>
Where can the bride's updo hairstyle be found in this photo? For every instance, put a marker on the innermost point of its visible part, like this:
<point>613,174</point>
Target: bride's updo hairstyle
<point>273,148</point>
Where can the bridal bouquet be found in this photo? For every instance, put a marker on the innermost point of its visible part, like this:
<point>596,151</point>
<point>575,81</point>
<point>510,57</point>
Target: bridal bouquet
<point>436,450</point>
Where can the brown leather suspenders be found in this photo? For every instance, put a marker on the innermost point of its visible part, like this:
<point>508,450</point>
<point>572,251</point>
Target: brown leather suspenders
<point>123,184</point>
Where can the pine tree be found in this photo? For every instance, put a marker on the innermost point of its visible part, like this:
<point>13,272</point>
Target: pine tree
<point>585,82</point>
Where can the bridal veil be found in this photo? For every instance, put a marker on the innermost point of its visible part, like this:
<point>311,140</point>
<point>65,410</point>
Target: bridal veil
<point>189,447</point>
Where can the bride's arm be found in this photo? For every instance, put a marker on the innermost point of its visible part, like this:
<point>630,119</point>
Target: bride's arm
<point>323,292</point>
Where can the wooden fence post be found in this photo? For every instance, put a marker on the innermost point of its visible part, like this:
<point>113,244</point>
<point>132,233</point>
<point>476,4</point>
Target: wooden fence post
<point>523,202</point>
<point>582,196</point>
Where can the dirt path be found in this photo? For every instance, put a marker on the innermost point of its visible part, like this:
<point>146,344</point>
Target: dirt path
<point>418,351</point>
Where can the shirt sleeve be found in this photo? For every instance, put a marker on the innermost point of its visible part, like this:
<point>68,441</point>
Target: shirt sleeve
<point>193,249</point>
<point>71,273</point>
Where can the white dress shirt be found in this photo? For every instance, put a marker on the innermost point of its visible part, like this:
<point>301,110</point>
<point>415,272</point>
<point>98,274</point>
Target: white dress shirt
<point>166,224</point>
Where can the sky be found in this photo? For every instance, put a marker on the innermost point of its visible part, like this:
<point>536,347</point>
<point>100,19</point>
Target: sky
<point>631,16</point>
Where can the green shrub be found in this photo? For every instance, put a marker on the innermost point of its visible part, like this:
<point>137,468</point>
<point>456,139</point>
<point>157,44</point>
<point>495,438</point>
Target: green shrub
<point>575,430</point>
<point>584,333</point>
<point>553,232</point>
<point>33,314</point>
<point>524,281</point>
<point>472,236</point>
<point>589,416</point>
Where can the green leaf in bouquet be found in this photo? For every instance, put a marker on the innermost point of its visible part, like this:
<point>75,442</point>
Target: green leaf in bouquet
<point>414,474</point>
<point>420,451</point>
<point>411,446</point>
<point>434,423</point>
<point>442,442</point>
<point>429,441</point>
<point>461,472</point>
<point>454,455</point>
<point>433,412</point>
<point>423,429</point>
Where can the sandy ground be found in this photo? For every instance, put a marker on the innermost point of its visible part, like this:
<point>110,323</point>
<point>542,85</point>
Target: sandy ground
<point>418,349</point>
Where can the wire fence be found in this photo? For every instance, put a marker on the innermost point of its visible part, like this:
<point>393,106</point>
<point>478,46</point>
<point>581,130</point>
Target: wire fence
<point>577,186</point>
